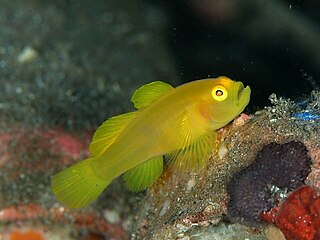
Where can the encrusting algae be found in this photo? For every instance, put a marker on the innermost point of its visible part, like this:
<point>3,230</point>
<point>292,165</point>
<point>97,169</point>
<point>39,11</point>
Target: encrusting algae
<point>177,122</point>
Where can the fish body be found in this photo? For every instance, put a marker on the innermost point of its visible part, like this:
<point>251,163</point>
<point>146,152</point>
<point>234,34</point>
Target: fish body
<point>177,122</point>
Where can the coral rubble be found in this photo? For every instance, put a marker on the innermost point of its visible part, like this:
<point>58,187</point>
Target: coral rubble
<point>275,143</point>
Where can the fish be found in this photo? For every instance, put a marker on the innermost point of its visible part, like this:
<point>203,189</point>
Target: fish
<point>173,126</point>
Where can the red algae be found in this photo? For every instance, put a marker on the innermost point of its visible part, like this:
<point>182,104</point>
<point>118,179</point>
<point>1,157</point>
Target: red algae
<point>26,235</point>
<point>21,212</point>
<point>28,148</point>
<point>298,217</point>
<point>28,157</point>
<point>67,143</point>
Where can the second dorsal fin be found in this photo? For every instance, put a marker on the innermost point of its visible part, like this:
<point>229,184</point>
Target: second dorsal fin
<point>150,92</point>
<point>107,133</point>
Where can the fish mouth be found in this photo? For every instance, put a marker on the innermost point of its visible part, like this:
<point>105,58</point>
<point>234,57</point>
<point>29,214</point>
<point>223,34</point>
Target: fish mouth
<point>240,90</point>
<point>243,95</point>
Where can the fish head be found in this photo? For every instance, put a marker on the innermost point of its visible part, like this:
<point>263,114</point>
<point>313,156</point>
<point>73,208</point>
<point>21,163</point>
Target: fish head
<point>227,100</point>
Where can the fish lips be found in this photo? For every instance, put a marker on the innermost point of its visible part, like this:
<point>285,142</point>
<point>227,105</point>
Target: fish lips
<point>243,96</point>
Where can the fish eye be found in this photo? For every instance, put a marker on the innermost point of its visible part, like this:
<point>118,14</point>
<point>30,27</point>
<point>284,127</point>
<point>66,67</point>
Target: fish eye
<point>219,93</point>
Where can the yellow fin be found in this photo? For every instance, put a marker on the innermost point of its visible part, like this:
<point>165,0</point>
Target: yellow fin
<point>194,155</point>
<point>144,175</point>
<point>148,93</point>
<point>77,186</point>
<point>107,133</point>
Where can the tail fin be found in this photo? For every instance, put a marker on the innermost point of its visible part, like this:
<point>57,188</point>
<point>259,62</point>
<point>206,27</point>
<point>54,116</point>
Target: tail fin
<point>77,186</point>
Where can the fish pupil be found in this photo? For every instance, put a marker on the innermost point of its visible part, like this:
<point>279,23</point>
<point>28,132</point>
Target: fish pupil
<point>219,93</point>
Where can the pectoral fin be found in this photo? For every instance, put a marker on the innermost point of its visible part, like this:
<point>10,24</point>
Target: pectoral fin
<point>193,156</point>
<point>144,175</point>
<point>149,93</point>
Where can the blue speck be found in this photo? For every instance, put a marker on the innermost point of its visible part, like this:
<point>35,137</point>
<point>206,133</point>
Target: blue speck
<point>307,116</point>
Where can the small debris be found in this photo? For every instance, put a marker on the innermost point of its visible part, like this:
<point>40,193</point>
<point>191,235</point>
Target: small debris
<point>222,151</point>
<point>190,184</point>
<point>273,232</point>
<point>165,207</point>
<point>28,54</point>
<point>111,216</point>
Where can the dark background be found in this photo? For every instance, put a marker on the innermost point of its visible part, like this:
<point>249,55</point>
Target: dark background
<point>273,46</point>
<point>92,55</point>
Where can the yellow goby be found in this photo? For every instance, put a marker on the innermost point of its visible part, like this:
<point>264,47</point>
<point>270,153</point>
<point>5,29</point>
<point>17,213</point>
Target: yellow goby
<point>179,123</point>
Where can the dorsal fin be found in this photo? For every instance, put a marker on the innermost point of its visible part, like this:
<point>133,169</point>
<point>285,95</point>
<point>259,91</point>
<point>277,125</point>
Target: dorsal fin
<point>148,93</point>
<point>144,175</point>
<point>106,134</point>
